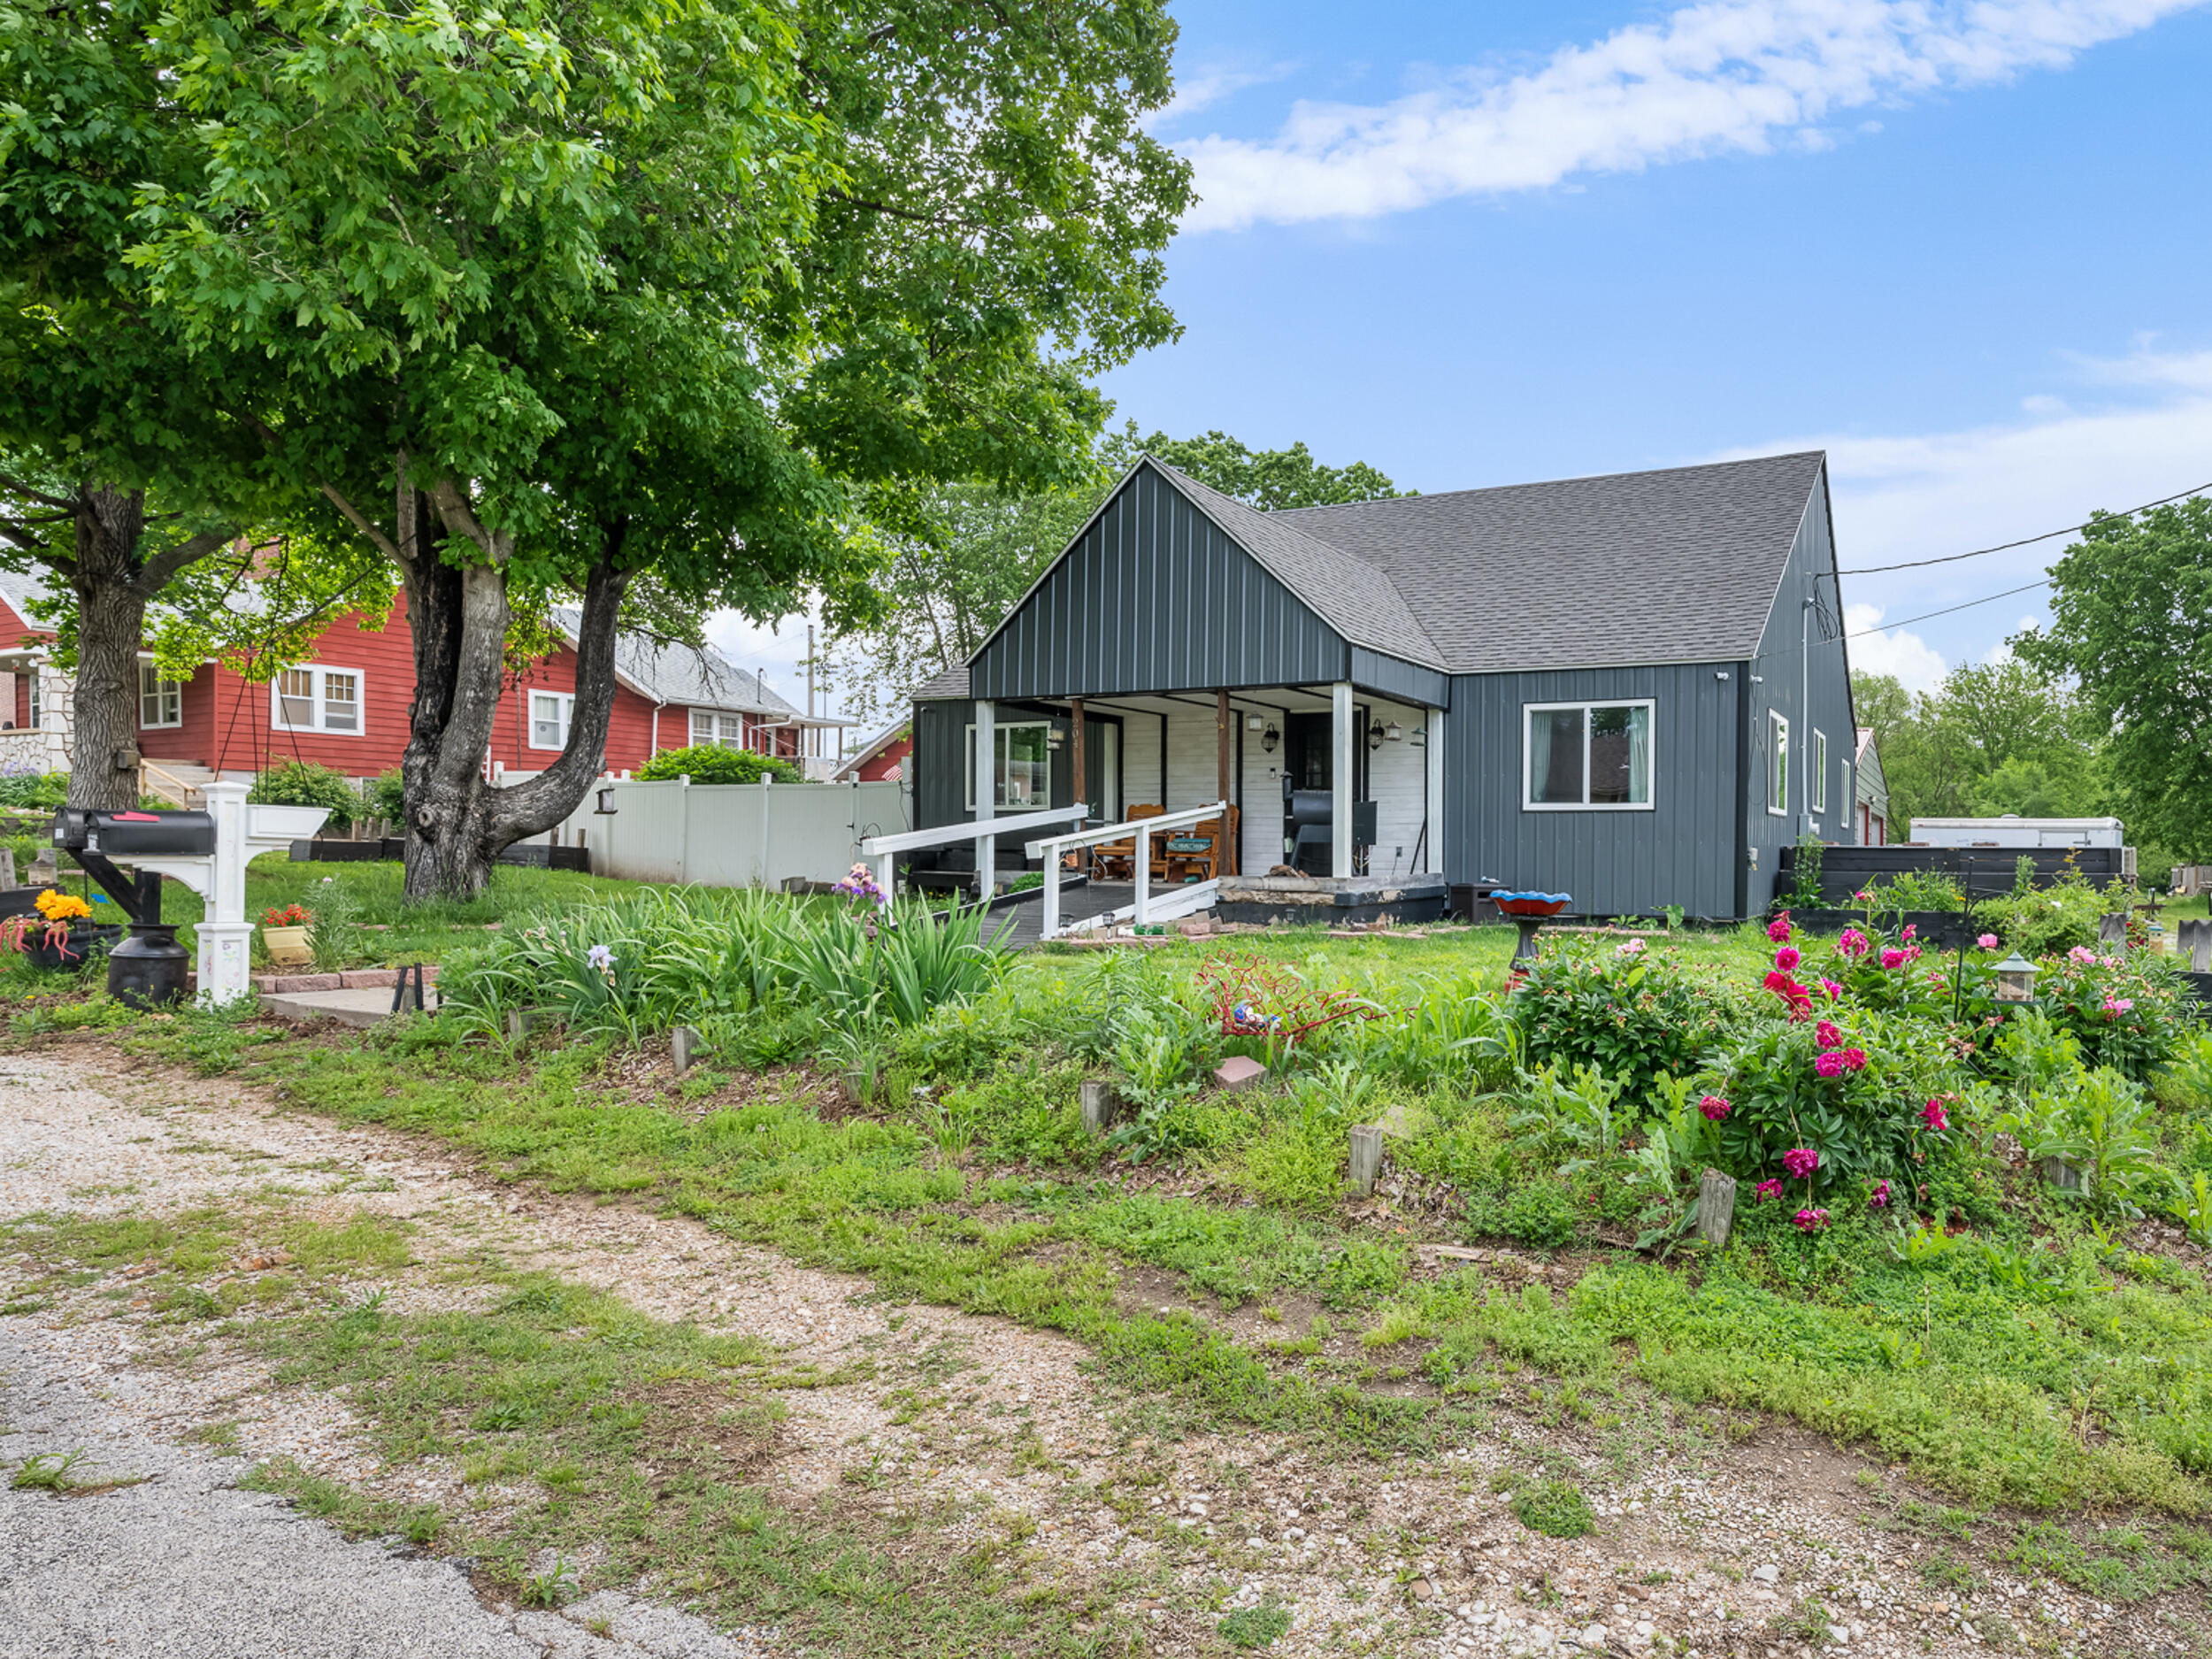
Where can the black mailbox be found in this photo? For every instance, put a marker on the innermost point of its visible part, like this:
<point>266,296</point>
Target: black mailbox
<point>134,834</point>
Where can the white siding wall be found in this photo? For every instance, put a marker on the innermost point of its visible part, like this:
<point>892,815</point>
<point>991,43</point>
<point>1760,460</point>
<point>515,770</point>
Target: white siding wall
<point>1397,780</point>
<point>1260,837</point>
<point>1140,761</point>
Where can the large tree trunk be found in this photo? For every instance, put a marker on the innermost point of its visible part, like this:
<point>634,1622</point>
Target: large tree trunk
<point>110,623</point>
<point>457,822</point>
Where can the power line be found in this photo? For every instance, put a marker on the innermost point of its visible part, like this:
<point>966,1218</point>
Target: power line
<point>1948,609</point>
<point>2006,547</point>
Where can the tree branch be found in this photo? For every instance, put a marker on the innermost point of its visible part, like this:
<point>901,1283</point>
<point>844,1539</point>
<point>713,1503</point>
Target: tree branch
<point>154,575</point>
<point>384,543</point>
<point>459,517</point>
<point>56,501</point>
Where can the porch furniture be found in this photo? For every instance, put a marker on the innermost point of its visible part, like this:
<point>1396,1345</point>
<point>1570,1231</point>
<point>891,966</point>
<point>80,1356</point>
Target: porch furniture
<point>1201,852</point>
<point>1115,861</point>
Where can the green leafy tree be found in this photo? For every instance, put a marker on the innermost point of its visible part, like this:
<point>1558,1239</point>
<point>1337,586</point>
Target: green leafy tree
<point>124,462</point>
<point>621,300</point>
<point>2132,623</point>
<point>1990,739</point>
<point>1270,480</point>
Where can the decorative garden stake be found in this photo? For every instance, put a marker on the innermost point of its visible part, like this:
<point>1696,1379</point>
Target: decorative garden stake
<point>1715,1208</point>
<point>2016,979</point>
<point>1366,1163</point>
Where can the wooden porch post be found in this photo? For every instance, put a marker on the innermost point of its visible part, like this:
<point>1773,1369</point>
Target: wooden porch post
<point>1341,739</point>
<point>1082,755</point>
<point>1225,774</point>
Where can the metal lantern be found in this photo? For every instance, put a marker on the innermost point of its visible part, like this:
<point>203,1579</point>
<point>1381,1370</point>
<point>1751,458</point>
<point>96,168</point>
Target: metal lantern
<point>2016,979</point>
<point>1270,738</point>
<point>1420,738</point>
<point>1393,733</point>
<point>1253,723</point>
<point>1375,735</point>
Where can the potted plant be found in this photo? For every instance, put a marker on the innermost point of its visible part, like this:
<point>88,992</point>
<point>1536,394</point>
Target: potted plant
<point>284,934</point>
<point>61,936</point>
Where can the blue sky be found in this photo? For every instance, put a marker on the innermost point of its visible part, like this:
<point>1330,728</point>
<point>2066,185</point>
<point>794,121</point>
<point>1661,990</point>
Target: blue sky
<point>1963,248</point>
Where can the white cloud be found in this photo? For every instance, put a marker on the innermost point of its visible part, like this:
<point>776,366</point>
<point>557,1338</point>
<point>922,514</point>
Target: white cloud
<point>1204,87</point>
<point>1899,652</point>
<point>1729,76</point>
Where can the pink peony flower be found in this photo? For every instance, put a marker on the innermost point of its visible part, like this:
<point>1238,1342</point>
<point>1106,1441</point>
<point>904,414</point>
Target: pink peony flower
<point>1827,1035</point>
<point>2081,953</point>
<point>1933,1115</point>
<point>1910,929</point>
<point>1835,990</point>
<point>1878,1199</point>
<point>1765,1190</point>
<point>1854,1059</point>
<point>1892,957</point>
<point>1829,1064</point>
<point>1778,929</point>
<point>1912,953</point>
<point>1853,942</point>
<point>1987,941</point>
<point>1810,1221</point>
<point>1787,957</point>
<point>1801,1161</point>
<point>1714,1108</point>
<point>1633,948</point>
<point>2116,1006</point>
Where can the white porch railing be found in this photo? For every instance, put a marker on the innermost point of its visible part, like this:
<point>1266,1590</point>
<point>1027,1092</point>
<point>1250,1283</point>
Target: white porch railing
<point>884,849</point>
<point>1195,895</point>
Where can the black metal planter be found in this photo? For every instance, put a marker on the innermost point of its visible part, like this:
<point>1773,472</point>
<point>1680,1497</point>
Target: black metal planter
<point>148,968</point>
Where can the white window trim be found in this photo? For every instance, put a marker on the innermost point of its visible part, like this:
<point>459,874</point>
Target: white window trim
<point>1778,763</point>
<point>1529,710</point>
<point>714,718</point>
<point>999,729</point>
<point>566,700</point>
<point>1820,772</point>
<point>318,711</point>
<point>145,725</point>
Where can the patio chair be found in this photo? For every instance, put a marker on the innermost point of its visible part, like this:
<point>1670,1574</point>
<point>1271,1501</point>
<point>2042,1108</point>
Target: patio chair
<point>1117,861</point>
<point>1187,860</point>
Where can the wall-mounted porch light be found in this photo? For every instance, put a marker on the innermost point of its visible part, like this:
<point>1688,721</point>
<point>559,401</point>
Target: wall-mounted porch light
<point>1420,738</point>
<point>1393,733</point>
<point>1253,723</point>
<point>1270,738</point>
<point>1375,735</point>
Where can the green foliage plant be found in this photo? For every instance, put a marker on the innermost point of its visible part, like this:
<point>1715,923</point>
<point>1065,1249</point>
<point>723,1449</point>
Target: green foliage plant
<point>1555,1508</point>
<point>306,783</point>
<point>2039,921</point>
<point>1916,890</point>
<point>2123,1007</point>
<point>1627,1011</point>
<point>1805,868</point>
<point>2103,1126</point>
<point>712,763</point>
<point>33,791</point>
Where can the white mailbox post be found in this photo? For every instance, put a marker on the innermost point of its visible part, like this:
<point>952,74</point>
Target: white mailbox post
<point>242,832</point>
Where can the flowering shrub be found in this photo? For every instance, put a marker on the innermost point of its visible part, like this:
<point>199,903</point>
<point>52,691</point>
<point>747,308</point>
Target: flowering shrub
<point>1633,1018</point>
<point>62,908</point>
<point>2124,1009</point>
<point>287,916</point>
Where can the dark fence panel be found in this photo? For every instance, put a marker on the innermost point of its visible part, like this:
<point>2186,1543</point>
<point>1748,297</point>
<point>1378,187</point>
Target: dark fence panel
<point>1981,872</point>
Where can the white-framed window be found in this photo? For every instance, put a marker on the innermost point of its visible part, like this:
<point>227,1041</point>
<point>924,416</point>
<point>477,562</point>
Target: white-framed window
<point>313,698</point>
<point>1023,763</point>
<point>708,726</point>
<point>160,702</point>
<point>1777,765</point>
<point>1586,757</point>
<point>549,714</point>
<point>36,702</point>
<point>1820,771</point>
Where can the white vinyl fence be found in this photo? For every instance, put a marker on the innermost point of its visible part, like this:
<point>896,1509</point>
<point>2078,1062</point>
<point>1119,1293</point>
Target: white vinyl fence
<point>732,834</point>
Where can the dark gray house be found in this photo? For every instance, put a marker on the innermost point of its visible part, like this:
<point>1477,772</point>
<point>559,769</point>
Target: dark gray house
<point>1630,688</point>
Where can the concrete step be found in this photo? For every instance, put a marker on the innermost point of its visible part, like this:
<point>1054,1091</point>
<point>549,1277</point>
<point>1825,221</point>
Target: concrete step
<point>362,1005</point>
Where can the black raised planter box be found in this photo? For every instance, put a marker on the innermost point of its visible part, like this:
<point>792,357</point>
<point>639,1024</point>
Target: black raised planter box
<point>392,849</point>
<point>1328,902</point>
<point>1980,873</point>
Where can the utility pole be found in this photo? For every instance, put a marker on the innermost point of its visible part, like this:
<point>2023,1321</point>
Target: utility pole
<point>813,735</point>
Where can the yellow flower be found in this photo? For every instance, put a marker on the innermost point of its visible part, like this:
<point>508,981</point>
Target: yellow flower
<point>56,906</point>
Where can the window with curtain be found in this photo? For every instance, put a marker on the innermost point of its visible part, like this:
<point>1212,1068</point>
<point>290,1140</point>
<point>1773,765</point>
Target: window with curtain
<point>549,714</point>
<point>160,702</point>
<point>1582,756</point>
<point>1022,758</point>
<point>1777,765</point>
<point>318,699</point>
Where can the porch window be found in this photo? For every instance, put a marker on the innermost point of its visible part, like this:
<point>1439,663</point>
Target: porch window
<point>1023,762</point>
<point>1581,756</point>
<point>160,702</point>
<point>1777,765</point>
<point>727,729</point>
<point>317,699</point>
<point>549,714</point>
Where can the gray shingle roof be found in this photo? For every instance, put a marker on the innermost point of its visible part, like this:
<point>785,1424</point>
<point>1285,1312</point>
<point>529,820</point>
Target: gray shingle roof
<point>952,684</point>
<point>700,678</point>
<point>1676,565</point>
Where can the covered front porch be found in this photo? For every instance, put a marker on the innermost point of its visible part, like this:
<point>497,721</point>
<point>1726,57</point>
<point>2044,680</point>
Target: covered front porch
<point>1336,782</point>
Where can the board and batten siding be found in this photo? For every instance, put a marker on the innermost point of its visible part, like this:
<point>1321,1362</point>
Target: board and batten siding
<point>1614,862</point>
<point>1152,597</point>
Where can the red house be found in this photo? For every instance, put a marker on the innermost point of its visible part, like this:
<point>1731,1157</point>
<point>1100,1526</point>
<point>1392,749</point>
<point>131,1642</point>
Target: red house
<point>345,706</point>
<point>880,758</point>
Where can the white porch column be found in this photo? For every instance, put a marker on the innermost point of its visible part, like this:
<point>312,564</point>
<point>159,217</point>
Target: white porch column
<point>1434,722</point>
<point>986,796</point>
<point>1341,741</point>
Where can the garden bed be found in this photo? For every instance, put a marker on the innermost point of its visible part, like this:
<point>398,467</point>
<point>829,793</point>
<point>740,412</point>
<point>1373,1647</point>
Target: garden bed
<point>1938,930</point>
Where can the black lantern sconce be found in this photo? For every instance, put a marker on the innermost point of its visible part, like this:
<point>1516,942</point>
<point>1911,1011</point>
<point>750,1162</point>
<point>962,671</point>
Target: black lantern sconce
<point>1375,736</point>
<point>1270,738</point>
